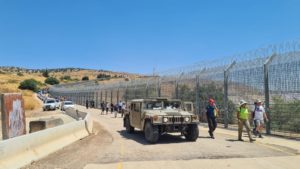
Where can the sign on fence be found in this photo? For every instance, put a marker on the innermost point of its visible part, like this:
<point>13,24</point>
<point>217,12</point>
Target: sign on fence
<point>13,115</point>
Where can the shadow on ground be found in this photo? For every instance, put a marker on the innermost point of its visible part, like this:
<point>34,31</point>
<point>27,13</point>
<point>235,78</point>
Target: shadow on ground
<point>139,137</point>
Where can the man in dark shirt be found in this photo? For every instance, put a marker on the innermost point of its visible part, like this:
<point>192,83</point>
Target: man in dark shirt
<point>211,113</point>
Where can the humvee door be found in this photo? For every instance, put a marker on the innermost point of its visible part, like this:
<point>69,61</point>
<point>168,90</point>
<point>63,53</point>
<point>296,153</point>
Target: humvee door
<point>188,106</point>
<point>135,115</point>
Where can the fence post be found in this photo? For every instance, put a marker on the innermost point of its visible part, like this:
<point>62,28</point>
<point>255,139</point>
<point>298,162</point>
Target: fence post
<point>267,91</point>
<point>105,99</point>
<point>118,95</point>
<point>147,89</point>
<point>226,75</point>
<point>135,93</point>
<point>197,96</point>
<point>177,85</point>
<point>158,87</point>
<point>97,99</point>
<point>126,94</point>
<point>111,96</point>
<point>176,89</point>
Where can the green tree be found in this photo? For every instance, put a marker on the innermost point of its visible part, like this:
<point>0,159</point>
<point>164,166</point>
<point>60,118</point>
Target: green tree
<point>29,84</point>
<point>52,81</point>
<point>45,73</point>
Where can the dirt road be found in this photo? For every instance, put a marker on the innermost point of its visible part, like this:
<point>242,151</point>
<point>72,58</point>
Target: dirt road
<point>111,144</point>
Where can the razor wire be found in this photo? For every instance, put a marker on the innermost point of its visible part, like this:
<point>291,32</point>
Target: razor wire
<point>227,80</point>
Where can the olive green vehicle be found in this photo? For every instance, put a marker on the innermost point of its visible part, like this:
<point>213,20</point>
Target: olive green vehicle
<point>160,116</point>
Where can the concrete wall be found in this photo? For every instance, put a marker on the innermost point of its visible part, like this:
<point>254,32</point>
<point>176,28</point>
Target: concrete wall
<point>78,115</point>
<point>22,150</point>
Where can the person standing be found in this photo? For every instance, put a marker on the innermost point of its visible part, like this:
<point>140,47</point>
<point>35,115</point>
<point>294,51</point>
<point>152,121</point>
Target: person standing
<point>242,116</point>
<point>120,104</point>
<point>87,104</point>
<point>112,108</point>
<point>259,117</point>
<point>107,107</point>
<point>123,109</point>
<point>102,107</point>
<point>211,114</point>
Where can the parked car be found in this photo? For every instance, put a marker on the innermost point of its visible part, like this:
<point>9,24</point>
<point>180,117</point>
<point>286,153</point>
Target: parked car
<point>49,104</point>
<point>66,104</point>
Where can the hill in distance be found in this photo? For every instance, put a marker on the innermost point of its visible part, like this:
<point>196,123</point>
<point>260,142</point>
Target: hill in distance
<point>11,77</point>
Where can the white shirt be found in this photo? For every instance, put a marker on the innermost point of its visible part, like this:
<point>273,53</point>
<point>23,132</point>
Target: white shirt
<point>259,113</point>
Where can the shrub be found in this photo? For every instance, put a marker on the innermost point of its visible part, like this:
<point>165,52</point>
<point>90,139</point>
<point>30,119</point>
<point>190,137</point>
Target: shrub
<point>45,73</point>
<point>52,81</point>
<point>20,74</point>
<point>67,78</point>
<point>85,78</point>
<point>103,76</point>
<point>29,84</point>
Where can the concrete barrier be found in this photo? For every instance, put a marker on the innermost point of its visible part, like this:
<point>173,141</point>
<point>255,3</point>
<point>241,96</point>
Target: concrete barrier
<point>20,151</point>
<point>78,115</point>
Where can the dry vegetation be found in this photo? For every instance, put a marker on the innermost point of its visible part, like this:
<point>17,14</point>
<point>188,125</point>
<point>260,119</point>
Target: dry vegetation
<point>10,79</point>
<point>9,83</point>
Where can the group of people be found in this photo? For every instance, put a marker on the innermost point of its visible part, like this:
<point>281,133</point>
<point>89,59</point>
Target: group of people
<point>119,107</point>
<point>258,116</point>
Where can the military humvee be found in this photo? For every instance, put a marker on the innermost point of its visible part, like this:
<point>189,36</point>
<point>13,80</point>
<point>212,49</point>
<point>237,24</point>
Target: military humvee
<point>159,116</point>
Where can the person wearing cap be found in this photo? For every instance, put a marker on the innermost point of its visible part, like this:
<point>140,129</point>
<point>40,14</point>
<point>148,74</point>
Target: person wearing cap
<point>259,116</point>
<point>211,114</point>
<point>243,115</point>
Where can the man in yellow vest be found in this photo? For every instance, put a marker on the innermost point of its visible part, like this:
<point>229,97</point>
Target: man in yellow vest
<point>242,115</point>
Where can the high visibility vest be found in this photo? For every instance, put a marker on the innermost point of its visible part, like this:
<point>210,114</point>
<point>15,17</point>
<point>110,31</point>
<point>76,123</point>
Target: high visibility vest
<point>244,113</point>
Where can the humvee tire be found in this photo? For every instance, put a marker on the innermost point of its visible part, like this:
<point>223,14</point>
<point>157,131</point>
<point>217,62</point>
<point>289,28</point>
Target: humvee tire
<point>129,128</point>
<point>192,133</point>
<point>151,132</point>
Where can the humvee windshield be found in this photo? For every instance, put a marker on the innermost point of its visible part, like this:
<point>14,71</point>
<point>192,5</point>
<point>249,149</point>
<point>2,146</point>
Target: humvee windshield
<point>171,105</point>
<point>158,105</point>
<point>153,105</point>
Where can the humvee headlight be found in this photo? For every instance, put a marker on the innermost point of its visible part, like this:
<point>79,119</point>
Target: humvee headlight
<point>165,120</point>
<point>187,119</point>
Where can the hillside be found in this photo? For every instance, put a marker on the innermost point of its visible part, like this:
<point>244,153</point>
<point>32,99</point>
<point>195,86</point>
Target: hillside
<point>10,78</point>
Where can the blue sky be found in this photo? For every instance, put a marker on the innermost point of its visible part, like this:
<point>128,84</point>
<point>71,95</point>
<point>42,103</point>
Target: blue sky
<point>137,35</point>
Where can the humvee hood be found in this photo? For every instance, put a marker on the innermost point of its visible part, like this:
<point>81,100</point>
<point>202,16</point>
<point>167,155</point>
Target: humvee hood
<point>169,113</point>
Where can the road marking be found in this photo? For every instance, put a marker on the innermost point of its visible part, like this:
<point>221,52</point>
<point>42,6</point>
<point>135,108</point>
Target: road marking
<point>120,164</point>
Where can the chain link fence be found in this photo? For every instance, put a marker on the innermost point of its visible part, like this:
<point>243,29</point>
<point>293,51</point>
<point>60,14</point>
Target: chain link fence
<point>271,74</point>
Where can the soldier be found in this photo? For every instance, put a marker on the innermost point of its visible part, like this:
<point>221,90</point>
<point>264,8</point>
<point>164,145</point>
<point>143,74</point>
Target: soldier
<point>242,116</point>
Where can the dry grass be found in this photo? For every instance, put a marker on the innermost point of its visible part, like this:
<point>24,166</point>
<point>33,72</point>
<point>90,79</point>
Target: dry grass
<point>9,83</point>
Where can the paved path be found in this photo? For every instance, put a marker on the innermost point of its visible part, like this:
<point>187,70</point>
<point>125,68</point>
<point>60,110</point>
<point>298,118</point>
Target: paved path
<point>112,147</point>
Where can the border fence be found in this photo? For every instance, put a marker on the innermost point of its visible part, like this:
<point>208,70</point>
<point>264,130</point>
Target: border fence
<point>271,74</point>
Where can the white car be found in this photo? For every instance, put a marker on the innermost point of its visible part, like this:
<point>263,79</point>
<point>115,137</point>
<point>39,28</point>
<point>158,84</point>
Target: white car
<point>49,104</point>
<point>67,104</point>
